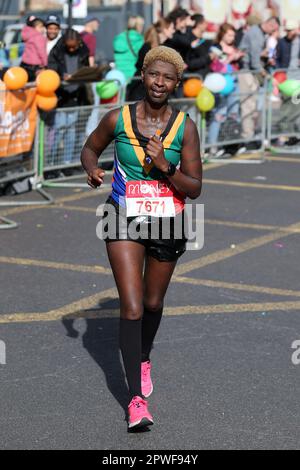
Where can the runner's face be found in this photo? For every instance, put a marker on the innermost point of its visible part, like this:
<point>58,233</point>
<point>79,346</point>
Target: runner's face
<point>160,79</point>
<point>52,31</point>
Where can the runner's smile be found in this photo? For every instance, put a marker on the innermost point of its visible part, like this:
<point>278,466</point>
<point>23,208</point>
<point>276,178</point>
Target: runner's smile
<point>160,80</point>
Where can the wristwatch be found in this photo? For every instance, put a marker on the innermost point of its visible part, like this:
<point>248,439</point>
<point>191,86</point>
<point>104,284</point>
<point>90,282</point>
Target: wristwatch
<point>171,169</point>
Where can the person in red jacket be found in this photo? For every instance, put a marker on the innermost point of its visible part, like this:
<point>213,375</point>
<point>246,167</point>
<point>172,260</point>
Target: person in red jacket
<point>34,57</point>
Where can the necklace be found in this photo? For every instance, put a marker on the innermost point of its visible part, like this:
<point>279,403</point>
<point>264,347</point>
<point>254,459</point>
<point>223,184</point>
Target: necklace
<point>154,123</point>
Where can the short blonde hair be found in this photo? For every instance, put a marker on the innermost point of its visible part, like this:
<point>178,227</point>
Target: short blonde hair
<point>165,54</point>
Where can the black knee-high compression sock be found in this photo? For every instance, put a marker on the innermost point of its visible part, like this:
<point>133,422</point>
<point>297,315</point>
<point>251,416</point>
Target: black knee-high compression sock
<point>150,323</point>
<point>131,349</point>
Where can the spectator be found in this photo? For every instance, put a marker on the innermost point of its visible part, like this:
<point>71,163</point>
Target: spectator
<point>34,57</point>
<point>53,32</point>
<point>69,55</point>
<point>4,62</point>
<point>253,44</point>
<point>182,38</point>
<point>157,34</point>
<point>199,57</point>
<point>127,45</point>
<point>89,38</point>
<point>288,57</point>
<point>288,48</point>
<point>240,26</point>
<point>227,107</point>
<point>271,47</point>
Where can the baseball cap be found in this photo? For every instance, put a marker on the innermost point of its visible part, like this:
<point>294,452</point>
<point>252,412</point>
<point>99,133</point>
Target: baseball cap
<point>89,19</point>
<point>52,19</point>
<point>291,24</point>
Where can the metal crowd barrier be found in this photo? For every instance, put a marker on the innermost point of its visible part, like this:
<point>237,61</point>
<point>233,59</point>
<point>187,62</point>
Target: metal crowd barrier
<point>21,167</point>
<point>249,106</point>
<point>62,142</point>
<point>61,133</point>
<point>283,118</point>
<point>237,120</point>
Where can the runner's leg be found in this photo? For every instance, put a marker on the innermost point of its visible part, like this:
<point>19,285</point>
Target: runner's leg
<point>157,277</point>
<point>127,261</point>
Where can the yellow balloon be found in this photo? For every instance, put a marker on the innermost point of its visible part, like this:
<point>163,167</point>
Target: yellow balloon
<point>205,100</point>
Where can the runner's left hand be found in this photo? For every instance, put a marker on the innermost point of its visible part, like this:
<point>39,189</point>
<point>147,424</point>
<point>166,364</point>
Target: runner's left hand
<point>155,150</point>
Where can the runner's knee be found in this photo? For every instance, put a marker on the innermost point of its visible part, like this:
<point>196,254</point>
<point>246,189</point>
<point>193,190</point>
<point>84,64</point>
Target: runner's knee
<point>131,312</point>
<point>153,305</point>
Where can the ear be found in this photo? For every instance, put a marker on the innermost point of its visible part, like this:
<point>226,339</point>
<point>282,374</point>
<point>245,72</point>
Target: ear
<point>178,83</point>
<point>143,75</point>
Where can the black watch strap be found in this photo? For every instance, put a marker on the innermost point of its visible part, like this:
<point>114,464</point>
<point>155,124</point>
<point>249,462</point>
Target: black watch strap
<point>171,169</point>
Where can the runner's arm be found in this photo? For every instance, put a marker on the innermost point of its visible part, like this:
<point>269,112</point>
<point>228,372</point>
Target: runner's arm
<point>98,140</point>
<point>188,179</point>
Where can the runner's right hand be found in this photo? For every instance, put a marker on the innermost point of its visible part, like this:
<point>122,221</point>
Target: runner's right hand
<point>95,177</point>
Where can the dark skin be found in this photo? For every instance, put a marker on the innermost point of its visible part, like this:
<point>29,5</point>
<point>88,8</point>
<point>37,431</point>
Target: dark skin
<point>127,258</point>
<point>72,45</point>
<point>52,31</point>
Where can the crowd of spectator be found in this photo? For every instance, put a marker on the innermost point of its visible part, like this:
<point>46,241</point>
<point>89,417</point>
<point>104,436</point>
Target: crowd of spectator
<point>256,49</point>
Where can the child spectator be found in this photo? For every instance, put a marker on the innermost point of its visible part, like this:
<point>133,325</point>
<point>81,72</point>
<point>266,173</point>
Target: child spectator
<point>34,57</point>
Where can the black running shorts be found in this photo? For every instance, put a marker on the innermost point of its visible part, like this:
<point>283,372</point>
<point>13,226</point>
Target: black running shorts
<point>163,237</point>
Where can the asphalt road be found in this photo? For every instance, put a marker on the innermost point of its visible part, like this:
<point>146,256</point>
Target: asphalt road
<point>222,363</point>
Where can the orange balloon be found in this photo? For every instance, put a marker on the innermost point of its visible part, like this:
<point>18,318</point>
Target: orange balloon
<point>46,103</point>
<point>192,87</point>
<point>47,82</point>
<point>15,78</point>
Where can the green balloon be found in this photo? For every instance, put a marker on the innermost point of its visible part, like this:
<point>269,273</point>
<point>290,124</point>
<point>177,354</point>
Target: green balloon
<point>107,90</point>
<point>205,100</point>
<point>289,87</point>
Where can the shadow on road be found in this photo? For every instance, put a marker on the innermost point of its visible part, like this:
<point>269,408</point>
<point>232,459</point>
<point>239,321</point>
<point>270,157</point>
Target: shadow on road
<point>101,340</point>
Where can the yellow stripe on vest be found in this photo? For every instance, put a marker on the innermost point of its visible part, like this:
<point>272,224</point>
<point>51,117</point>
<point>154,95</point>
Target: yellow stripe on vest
<point>139,151</point>
<point>173,131</point>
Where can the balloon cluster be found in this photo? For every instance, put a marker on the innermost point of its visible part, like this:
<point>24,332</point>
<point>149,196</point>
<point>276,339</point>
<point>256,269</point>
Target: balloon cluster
<point>108,90</point>
<point>287,87</point>
<point>47,83</point>
<point>204,91</point>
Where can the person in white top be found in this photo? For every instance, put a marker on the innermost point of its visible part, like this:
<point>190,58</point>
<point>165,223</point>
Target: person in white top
<point>53,31</point>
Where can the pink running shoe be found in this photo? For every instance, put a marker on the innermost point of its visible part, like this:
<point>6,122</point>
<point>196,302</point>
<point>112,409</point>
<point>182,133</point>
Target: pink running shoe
<point>147,386</point>
<point>138,414</point>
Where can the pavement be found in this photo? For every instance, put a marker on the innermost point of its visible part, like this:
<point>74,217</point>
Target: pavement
<point>222,362</point>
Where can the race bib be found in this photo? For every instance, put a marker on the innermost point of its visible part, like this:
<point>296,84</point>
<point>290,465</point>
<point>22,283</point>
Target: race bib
<point>153,198</point>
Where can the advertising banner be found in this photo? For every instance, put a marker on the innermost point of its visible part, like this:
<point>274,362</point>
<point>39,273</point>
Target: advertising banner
<point>18,116</point>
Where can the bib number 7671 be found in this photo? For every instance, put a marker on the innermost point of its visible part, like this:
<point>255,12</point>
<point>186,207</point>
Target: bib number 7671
<point>153,198</point>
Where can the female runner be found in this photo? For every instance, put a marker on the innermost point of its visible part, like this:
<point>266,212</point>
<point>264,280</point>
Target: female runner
<point>157,165</point>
